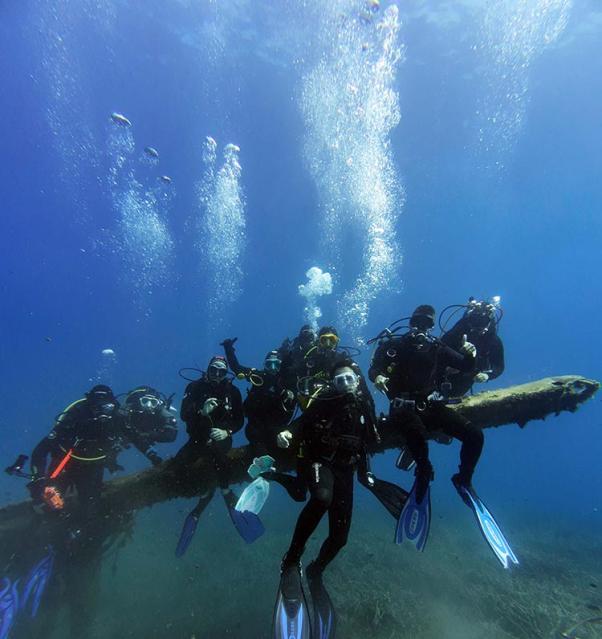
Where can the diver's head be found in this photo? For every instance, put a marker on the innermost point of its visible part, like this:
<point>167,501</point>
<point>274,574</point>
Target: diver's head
<point>480,316</point>
<point>423,318</point>
<point>272,363</point>
<point>101,400</point>
<point>345,380</point>
<point>328,338</point>
<point>217,369</point>
<point>307,336</point>
<point>144,400</point>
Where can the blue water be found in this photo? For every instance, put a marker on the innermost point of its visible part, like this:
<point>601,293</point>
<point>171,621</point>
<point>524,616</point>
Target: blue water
<point>492,177</point>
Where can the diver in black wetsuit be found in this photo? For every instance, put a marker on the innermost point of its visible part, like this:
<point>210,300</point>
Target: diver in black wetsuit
<point>318,363</point>
<point>479,324</point>
<point>84,440</point>
<point>334,433</point>
<point>212,411</point>
<point>149,419</point>
<point>269,404</point>
<point>292,353</point>
<point>409,369</point>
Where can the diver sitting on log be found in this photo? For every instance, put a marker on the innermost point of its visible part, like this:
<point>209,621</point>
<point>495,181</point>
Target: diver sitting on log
<point>409,369</point>
<point>269,404</point>
<point>212,410</point>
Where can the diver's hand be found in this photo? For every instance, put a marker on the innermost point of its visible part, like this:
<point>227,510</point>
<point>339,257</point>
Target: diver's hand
<point>288,399</point>
<point>481,378</point>
<point>209,406</point>
<point>468,348</point>
<point>218,434</point>
<point>227,343</point>
<point>381,383</point>
<point>284,439</point>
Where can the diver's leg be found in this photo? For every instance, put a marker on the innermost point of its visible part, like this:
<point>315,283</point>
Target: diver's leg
<point>471,436</point>
<point>339,518</point>
<point>413,430</point>
<point>321,486</point>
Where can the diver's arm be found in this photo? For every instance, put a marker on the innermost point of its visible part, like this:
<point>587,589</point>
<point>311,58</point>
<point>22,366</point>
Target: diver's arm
<point>496,358</point>
<point>463,362</point>
<point>232,359</point>
<point>39,456</point>
<point>377,364</point>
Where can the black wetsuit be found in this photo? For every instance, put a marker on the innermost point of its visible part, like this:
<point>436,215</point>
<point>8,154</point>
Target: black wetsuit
<point>228,415</point>
<point>335,432</point>
<point>415,364</point>
<point>490,354</point>
<point>145,429</point>
<point>293,366</point>
<point>318,366</point>
<point>94,441</point>
<point>269,404</point>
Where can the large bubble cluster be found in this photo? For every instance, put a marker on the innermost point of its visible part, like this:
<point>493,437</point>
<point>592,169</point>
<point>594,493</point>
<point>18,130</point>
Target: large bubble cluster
<point>318,284</point>
<point>513,34</point>
<point>221,231</point>
<point>350,107</point>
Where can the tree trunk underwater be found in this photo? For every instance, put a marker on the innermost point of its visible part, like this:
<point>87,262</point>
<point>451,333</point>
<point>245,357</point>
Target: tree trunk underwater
<point>513,405</point>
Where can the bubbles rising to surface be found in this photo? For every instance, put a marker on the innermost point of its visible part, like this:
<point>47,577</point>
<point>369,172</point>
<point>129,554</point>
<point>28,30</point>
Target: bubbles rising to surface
<point>318,284</point>
<point>350,107</point>
<point>143,240</point>
<point>513,34</point>
<point>221,229</point>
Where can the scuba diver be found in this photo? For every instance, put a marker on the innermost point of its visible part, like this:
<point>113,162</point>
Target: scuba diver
<point>479,323</point>
<point>292,353</point>
<point>333,433</point>
<point>269,404</point>
<point>150,418</point>
<point>409,368</point>
<point>319,360</point>
<point>212,410</point>
<point>84,441</point>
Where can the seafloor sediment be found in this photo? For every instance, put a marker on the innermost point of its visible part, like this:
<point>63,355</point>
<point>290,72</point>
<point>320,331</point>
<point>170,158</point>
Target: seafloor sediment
<point>455,589</point>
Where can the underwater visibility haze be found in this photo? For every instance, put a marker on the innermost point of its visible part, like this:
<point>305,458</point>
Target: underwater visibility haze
<point>188,182</point>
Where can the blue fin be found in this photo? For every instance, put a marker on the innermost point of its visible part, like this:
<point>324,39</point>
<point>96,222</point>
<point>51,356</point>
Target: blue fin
<point>291,615</point>
<point>489,528</point>
<point>188,530</point>
<point>9,605</point>
<point>415,520</point>
<point>247,524</point>
<point>36,583</point>
<point>324,617</point>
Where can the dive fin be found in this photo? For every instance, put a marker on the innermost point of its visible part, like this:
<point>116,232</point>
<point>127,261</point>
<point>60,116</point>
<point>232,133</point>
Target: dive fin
<point>9,605</point>
<point>188,530</point>
<point>415,520</point>
<point>36,583</point>
<point>488,526</point>
<point>247,524</point>
<point>291,615</point>
<point>391,496</point>
<point>324,617</point>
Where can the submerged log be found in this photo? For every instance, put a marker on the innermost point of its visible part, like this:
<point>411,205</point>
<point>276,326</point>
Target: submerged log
<point>516,404</point>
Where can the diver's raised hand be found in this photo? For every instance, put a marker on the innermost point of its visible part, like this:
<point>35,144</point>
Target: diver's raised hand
<point>468,348</point>
<point>209,406</point>
<point>229,342</point>
<point>381,382</point>
<point>284,439</point>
